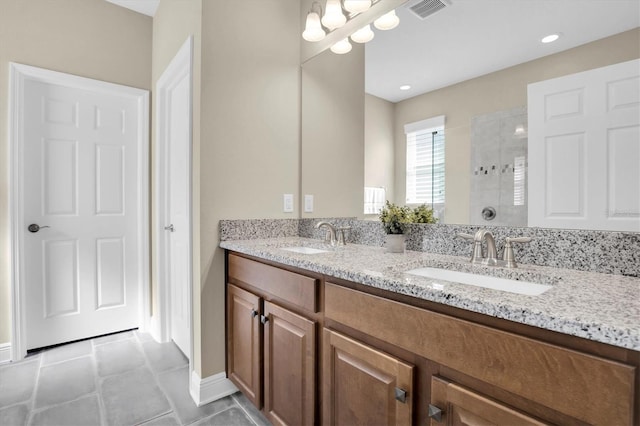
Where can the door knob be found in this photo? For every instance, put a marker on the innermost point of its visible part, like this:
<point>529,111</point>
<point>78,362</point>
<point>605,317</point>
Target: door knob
<point>34,227</point>
<point>170,228</point>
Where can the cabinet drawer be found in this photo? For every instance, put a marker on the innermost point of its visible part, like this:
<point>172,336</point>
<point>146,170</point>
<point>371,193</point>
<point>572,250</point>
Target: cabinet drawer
<point>571,382</point>
<point>289,286</point>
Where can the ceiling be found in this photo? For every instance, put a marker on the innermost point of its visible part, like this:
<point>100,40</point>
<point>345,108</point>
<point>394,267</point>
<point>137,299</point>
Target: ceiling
<point>471,38</point>
<point>146,7</point>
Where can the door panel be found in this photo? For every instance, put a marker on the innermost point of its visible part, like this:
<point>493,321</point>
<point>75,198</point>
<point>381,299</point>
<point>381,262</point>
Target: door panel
<point>289,367</point>
<point>360,384</point>
<point>463,407</point>
<point>243,343</point>
<point>81,270</point>
<point>584,150</point>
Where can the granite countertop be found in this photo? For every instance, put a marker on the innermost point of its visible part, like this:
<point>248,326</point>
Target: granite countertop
<point>594,306</point>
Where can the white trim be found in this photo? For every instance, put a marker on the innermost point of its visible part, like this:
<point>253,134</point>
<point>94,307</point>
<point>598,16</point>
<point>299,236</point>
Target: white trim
<point>181,65</point>
<point>18,74</point>
<point>5,353</point>
<point>212,388</point>
<point>429,123</point>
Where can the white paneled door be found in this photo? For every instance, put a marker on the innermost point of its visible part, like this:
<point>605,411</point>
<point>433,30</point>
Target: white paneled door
<point>81,264</point>
<point>584,150</point>
<point>174,198</point>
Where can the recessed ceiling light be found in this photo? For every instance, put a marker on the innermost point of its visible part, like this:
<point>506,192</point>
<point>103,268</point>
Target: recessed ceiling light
<point>405,87</point>
<point>550,38</point>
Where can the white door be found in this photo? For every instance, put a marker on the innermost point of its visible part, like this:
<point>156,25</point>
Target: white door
<point>174,143</point>
<point>584,150</point>
<point>81,271</point>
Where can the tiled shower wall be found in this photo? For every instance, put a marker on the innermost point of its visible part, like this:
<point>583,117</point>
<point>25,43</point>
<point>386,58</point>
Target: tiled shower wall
<point>596,251</point>
<point>499,168</point>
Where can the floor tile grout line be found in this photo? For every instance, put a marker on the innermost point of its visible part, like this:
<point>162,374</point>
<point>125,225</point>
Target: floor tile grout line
<point>32,400</point>
<point>254,421</point>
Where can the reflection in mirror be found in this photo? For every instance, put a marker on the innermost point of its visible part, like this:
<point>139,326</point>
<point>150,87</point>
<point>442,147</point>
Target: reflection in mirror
<point>474,104</point>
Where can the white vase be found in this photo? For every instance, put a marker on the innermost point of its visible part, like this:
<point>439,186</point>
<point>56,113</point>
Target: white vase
<point>395,243</point>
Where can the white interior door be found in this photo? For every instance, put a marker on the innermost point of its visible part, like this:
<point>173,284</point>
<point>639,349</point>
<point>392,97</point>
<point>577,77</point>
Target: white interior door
<point>584,150</point>
<point>174,137</point>
<point>80,154</point>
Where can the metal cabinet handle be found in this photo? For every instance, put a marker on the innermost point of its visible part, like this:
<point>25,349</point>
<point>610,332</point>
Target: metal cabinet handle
<point>169,228</point>
<point>264,319</point>
<point>435,413</point>
<point>401,395</point>
<point>254,313</point>
<point>34,227</point>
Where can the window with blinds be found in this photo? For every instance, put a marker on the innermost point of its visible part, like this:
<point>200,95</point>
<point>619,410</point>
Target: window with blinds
<point>425,162</point>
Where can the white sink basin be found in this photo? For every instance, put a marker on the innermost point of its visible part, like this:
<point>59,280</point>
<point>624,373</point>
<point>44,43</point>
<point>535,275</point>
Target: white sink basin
<point>502,284</point>
<point>305,250</point>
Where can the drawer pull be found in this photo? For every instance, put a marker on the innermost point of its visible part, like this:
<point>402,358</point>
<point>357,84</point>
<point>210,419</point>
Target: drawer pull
<point>435,413</point>
<point>401,395</point>
<point>254,313</point>
<point>264,319</point>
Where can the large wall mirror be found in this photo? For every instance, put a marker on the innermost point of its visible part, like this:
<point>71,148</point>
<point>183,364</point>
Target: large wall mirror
<point>470,61</point>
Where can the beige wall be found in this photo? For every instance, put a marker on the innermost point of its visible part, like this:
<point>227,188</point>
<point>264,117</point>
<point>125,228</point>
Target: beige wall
<point>332,159</point>
<point>90,38</point>
<point>494,92</point>
<point>379,155</point>
<point>173,23</point>
<point>250,131</point>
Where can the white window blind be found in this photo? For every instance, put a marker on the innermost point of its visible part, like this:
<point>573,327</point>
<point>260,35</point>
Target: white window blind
<point>425,161</point>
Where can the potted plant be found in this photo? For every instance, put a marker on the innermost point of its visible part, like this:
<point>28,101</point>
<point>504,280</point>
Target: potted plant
<point>423,214</point>
<point>395,218</point>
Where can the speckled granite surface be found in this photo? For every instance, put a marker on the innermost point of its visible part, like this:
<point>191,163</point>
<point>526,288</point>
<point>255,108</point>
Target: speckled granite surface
<point>600,307</point>
<point>595,251</point>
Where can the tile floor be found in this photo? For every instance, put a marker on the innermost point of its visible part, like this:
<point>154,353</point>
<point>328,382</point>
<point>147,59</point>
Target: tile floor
<point>117,380</point>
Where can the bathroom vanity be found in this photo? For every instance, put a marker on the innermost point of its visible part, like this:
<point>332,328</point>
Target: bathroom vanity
<point>320,335</point>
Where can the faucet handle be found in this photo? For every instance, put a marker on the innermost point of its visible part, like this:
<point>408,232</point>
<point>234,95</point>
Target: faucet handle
<point>507,254</point>
<point>342,241</point>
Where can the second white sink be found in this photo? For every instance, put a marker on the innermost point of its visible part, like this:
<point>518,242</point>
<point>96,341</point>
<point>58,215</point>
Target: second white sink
<point>502,284</point>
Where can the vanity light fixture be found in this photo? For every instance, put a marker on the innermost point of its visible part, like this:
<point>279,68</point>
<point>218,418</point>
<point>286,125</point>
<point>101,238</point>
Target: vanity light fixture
<point>357,6</point>
<point>388,21</point>
<point>333,17</point>
<point>341,47</point>
<point>550,38</point>
<point>363,35</point>
<point>313,29</point>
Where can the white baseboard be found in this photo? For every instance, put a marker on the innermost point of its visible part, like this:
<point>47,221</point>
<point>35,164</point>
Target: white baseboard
<point>211,388</point>
<point>5,353</point>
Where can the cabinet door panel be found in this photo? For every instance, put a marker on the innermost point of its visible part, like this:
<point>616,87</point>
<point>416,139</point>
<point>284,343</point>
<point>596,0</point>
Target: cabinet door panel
<point>289,367</point>
<point>461,406</point>
<point>243,342</point>
<point>360,384</point>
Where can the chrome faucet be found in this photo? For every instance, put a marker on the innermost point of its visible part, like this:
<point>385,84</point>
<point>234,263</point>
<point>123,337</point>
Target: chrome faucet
<point>490,257</point>
<point>334,236</point>
<point>330,236</point>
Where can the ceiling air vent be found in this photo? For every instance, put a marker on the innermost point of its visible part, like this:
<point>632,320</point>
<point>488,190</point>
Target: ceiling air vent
<point>425,8</point>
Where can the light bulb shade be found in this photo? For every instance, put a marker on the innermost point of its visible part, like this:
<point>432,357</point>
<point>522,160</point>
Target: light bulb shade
<point>313,30</point>
<point>357,6</point>
<point>388,21</point>
<point>333,17</point>
<point>363,35</point>
<point>341,47</point>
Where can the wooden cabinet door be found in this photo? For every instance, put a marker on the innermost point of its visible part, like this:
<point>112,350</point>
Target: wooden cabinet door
<point>364,386</point>
<point>289,367</point>
<point>243,342</point>
<point>460,406</point>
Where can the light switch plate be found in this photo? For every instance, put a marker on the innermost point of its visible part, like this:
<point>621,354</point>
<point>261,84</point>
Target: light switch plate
<point>308,203</point>
<point>288,203</point>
